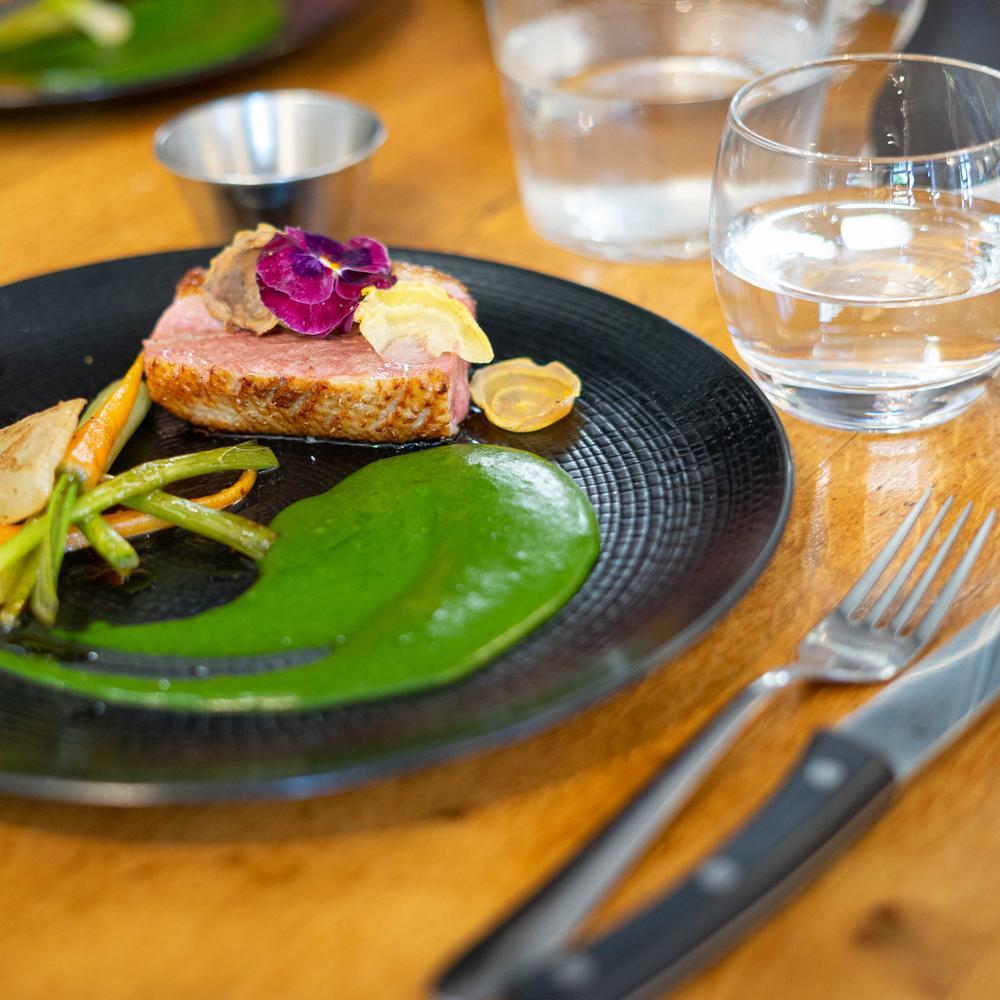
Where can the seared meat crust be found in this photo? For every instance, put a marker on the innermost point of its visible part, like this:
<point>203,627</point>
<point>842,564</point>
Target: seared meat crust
<point>282,383</point>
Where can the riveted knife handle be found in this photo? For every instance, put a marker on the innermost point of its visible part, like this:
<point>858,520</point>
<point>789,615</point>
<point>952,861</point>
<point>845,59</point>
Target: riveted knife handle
<point>837,789</point>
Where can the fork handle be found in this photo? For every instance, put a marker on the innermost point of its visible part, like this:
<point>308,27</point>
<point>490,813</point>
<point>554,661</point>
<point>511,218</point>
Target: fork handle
<point>543,922</point>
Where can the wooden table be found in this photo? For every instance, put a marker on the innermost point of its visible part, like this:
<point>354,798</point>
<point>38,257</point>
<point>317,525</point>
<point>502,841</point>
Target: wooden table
<point>363,895</point>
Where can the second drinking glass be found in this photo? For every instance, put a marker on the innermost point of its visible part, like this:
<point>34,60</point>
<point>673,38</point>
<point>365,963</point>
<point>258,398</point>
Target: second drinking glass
<point>856,237</point>
<point>616,107</point>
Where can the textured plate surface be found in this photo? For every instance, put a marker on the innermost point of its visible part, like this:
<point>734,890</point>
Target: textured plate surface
<point>685,462</point>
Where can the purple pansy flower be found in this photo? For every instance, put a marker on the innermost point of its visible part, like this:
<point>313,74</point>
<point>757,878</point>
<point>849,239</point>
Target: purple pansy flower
<point>313,284</point>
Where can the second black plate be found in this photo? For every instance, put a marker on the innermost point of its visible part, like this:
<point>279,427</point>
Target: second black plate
<point>684,461</point>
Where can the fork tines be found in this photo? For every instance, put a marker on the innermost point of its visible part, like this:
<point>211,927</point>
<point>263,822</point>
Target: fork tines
<point>927,625</point>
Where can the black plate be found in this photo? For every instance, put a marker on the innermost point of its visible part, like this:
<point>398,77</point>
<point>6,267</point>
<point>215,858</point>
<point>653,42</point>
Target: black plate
<point>684,460</point>
<point>303,21</point>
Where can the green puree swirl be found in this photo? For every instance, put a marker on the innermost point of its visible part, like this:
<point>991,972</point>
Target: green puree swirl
<point>410,573</point>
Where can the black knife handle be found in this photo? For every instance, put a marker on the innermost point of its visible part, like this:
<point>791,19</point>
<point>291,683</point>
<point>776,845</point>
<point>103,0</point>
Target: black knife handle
<point>836,790</point>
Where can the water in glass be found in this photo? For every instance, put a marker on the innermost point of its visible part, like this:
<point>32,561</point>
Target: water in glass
<point>865,296</point>
<point>856,237</point>
<point>616,115</point>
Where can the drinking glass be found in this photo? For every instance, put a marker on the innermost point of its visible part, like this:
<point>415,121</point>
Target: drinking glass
<point>856,237</point>
<point>877,25</point>
<point>616,107</point>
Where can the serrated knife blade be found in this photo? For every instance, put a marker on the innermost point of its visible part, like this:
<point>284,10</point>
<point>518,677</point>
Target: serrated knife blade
<point>913,719</point>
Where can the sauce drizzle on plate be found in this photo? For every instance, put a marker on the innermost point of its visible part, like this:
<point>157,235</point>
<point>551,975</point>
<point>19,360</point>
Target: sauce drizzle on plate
<point>410,573</point>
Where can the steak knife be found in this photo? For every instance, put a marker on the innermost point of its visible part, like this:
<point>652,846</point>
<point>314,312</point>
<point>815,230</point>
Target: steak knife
<point>845,779</point>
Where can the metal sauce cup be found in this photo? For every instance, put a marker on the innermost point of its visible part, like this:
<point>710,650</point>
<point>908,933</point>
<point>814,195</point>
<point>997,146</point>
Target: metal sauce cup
<point>288,157</point>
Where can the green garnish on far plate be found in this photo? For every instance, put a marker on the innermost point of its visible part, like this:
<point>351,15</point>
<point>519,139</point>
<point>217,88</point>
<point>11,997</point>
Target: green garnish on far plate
<point>169,38</point>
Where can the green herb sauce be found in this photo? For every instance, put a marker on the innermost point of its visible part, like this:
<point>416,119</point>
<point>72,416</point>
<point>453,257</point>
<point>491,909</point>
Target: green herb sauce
<point>410,573</point>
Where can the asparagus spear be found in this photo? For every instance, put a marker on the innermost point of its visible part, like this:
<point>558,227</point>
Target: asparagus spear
<point>240,533</point>
<point>10,614</point>
<point>108,544</point>
<point>143,479</point>
<point>44,599</point>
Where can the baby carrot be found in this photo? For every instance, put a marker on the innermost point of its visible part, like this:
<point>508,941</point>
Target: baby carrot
<point>87,455</point>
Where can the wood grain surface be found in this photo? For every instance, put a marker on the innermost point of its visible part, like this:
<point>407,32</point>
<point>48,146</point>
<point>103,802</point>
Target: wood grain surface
<point>363,895</point>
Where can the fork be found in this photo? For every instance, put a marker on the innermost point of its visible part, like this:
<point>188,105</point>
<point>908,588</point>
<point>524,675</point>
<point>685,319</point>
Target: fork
<point>848,646</point>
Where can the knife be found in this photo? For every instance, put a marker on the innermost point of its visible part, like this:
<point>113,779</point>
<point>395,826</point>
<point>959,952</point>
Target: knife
<point>845,779</point>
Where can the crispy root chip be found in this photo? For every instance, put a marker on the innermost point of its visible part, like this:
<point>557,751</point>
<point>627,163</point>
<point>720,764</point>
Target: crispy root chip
<point>519,395</point>
<point>30,452</point>
<point>230,289</point>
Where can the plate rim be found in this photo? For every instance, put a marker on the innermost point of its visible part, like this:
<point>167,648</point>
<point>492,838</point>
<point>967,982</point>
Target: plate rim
<point>84,791</point>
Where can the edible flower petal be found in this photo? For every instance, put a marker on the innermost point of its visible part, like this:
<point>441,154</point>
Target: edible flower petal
<point>362,258</point>
<point>314,319</point>
<point>300,265</point>
<point>313,284</point>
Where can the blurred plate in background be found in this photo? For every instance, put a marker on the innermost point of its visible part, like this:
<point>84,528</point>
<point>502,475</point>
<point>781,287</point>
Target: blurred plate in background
<point>174,42</point>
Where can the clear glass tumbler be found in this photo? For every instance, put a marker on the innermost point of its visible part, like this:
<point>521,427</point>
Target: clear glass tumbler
<point>877,25</point>
<point>616,108</point>
<point>856,237</point>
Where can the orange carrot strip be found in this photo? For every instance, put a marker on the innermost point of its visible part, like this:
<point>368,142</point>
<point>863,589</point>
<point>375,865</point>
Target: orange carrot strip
<point>87,454</point>
<point>129,523</point>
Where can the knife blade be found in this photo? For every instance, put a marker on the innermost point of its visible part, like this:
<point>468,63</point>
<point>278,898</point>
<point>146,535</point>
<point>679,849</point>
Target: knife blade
<point>845,779</point>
